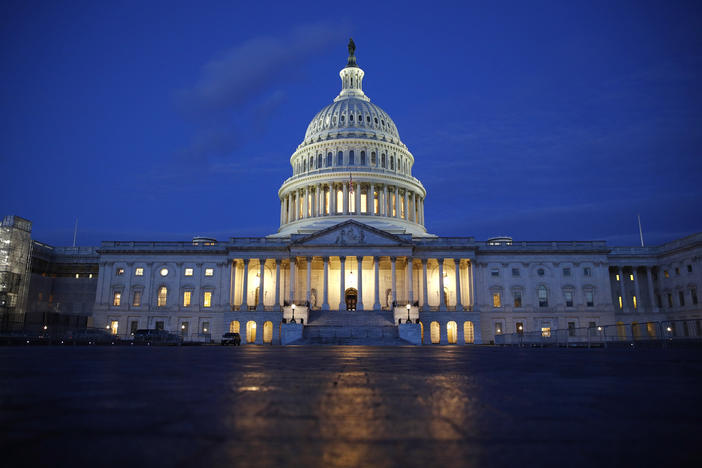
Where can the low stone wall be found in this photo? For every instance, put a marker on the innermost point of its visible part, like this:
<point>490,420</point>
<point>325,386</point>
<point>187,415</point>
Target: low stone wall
<point>290,332</point>
<point>411,332</point>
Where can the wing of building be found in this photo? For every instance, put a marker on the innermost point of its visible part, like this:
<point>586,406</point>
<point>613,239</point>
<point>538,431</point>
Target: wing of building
<point>352,262</point>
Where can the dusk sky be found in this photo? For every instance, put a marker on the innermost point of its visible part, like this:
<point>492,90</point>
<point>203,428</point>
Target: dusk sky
<point>539,120</point>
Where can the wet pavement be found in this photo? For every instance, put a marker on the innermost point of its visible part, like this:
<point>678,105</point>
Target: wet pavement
<point>349,406</point>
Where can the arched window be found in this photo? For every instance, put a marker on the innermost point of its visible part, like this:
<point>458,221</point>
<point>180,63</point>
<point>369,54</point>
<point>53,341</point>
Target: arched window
<point>268,332</point>
<point>468,332</point>
<point>162,296</point>
<point>311,162</point>
<point>392,163</point>
<point>373,159</point>
<point>435,332</point>
<point>250,331</point>
<point>329,159</point>
<point>452,332</point>
<point>382,161</point>
<point>543,296</point>
<point>351,115</point>
<point>368,118</point>
<point>341,119</point>
<point>319,161</point>
<point>340,159</point>
<point>376,120</point>
<point>234,326</point>
<point>351,158</point>
<point>363,158</point>
<point>304,167</point>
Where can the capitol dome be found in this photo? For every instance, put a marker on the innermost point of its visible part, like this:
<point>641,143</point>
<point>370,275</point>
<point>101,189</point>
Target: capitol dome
<point>352,164</point>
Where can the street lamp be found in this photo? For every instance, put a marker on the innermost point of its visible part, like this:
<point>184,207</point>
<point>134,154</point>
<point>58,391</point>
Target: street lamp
<point>408,311</point>
<point>293,314</point>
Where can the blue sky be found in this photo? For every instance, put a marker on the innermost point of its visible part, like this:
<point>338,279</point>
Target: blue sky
<point>539,120</point>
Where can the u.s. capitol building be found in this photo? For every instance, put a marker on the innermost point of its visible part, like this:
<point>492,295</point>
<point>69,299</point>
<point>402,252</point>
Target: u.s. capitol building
<point>353,262</point>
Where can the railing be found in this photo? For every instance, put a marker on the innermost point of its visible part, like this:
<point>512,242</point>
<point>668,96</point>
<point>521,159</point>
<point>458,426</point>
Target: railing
<point>604,335</point>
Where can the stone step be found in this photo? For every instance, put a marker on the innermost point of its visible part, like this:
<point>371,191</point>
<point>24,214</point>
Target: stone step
<point>354,335</point>
<point>344,318</point>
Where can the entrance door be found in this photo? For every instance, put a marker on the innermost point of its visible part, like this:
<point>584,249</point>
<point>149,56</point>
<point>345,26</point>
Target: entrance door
<point>351,297</point>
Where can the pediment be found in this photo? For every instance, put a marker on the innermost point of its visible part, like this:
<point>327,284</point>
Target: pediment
<point>352,233</point>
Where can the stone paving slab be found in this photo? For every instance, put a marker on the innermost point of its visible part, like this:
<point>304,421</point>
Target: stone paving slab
<point>349,406</point>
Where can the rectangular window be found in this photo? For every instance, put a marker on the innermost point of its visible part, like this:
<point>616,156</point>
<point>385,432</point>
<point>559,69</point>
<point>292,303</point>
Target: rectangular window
<point>587,271</point>
<point>394,205</point>
<point>139,272</point>
<point>681,296</point>
<point>517,294</point>
<point>133,327</point>
<point>496,300</point>
<point>677,271</point>
<point>119,271</point>
<point>571,328</point>
<point>566,272</point>
<point>693,295</point>
<point>159,325</point>
<point>568,298</point>
<point>375,203</point>
<point>543,297</point>
<point>364,202</point>
<point>631,277</point>
<point>519,326</point>
<point>689,268</point>
<point>546,332</point>
<point>162,296</point>
<point>114,326</point>
<point>136,300</point>
<point>116,298</point>
<point>352,200</point>
<point>515,271</point>
<point>186,298</point>
<point>207,300</point>
<point>666,274</point>
<point>670,300</point>
<point>620,302</point>
<point>589,298</point>
<point>659,301</point>
<point>188,272</point>
<point>495,273</point>
<point>339,201</point>
<point>209,271</point>
<point>616,277</point>
<point>591,325</point>
<point>498,328</point>
<point>636,304</point>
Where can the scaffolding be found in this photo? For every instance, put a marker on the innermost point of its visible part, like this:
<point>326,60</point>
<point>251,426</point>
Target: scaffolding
<point>15,270</point>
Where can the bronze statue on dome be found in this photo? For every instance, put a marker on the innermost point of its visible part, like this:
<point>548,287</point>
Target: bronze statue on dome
<point>352,47</point>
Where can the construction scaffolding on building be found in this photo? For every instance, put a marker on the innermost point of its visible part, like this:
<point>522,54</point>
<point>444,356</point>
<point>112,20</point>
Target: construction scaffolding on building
<point>15,268</point>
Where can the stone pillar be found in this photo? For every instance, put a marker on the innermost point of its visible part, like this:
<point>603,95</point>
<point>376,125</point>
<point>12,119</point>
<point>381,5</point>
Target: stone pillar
<point>320,200</point>
<point>385,200</point>
<point>232,284</point>
<point>262,264</point>
<point>345,188</point>
<point>406,208</point>
<point>342,284</point>
<point>473,293</point>
<point>332,199</point>
<point>397,202</point>
<point>277,302</point>
<point>459,300</point>
<point>293,267</point>
<point>442,299</point>
<point>357,192</point>
<point>359,261</point>
<point>410,288</point>
<point>245,281</point>
<point>305,202</point>
<point>282,204</point>
<point>425,295</point>
<point>637,290</point>
<point>394,281</point>
<point>308,284</point>
<point>371,206</point>
<point>376,280</point>
<point>651,295</point>
<point>325,286</point>
<point>620,272</point>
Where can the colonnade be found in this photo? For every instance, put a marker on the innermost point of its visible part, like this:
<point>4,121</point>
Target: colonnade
<point>462,273</point>
<point>352,198</point>
<point>634,302</point>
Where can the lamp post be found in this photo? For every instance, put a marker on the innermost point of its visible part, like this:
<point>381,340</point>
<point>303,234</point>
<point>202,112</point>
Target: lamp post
<point>408,313</point>
<point>293,314</point>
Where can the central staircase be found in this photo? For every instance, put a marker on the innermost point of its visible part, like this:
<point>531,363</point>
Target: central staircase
<point>342,327</point>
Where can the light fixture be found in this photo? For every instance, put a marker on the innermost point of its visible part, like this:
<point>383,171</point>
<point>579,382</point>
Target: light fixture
<point>599,328</point>
<point>293,314</point>
<point>182,327</point>
<point>669,329</point>
<point>408,311</point>
<point>204,330</point>
<point>45,327</point>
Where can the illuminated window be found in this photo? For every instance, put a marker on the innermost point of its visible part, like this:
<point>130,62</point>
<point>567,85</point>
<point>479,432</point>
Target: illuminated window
<point>90,275</point>
<point>164,271</point>
<point>435,332</point>
<point>517,295</point>
<point>631,277</point>
<point>268,332</point>
<point>250,331</point>
<point>114,325</point>
<point>186,298</point>
<point>234,326</point>
<point>496,299</point>
<point>364,202</point>
<point>77,275</point>
<point>339,201</point>
<point>209,271</point>
<point>546,332</point>
<point>616,277</point>
<point>620,302</point>
<point>162,296</point>
<point>207,300</point>
<point>468,332</point>
<point>116,298</point>
<point>119,271</point>
<point>452,332</point>
<point>352,200</point>
<point>666,274</point>
<point>589,298</point>
<point>402,207</point>
<point>139,272</point>
<point>392,201</point>
<point>543,296</point>
<point>326,201</point>
<point>375,202</point>
<point>136,300</point>
<point>587,271</point>
<point>568,298</point>
<point>188,272</point>
<point>634,302</point>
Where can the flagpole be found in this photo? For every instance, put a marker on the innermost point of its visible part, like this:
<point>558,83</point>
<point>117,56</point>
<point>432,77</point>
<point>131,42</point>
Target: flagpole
<point>640,231</point>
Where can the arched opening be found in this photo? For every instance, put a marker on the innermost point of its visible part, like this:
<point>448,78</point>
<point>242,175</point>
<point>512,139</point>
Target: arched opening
<point>621,331</point>
<point>421,331</point>
<point>446,293</point>
<point>468,332</point>
<point>234,326</point>
<point>351,297</point>
<point>268,332</point>
<point>435,332</point>
<point>651,329</point>
<point>635,330</point>
<point>452,332</point>
<point>250,331</point>
<point>256,296</point>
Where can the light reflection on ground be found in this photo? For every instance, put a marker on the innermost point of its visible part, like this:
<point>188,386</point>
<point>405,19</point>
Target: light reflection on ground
<point>352,406</point>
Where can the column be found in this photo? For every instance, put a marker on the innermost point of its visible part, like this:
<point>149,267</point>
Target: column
<point>357,191</point>
<point>305,202</point>
<point>292,279</point>
<point>345,189</point>
<point>651,296</point>
<point>288,200</point>
<point>406,211</point>
<point>371,206</point>
<point>309,278</point>
<point>277,302</point>
<point>620,272</point>
<point>425,295</point>
<point>637,291</point>
<point>442,299</point>
<point>394,281</point>
<point>325,286</point>
<point>320,200</point>
<point>262,263</point>
<point>359,262</point>
<point>410,290</point>
<point>459,300</point>
<point>282,203</point>
<point>244,291</point>
<point>332,199</point>
<point>385,200</point>
<point>376,279</point>
<point>232,284</point>
<point>342,284</point>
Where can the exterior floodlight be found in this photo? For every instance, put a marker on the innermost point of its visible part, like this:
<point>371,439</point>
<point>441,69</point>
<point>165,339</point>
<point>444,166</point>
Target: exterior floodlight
<point>45,327</point>
<point>408,311</point>
<point>293,314</point>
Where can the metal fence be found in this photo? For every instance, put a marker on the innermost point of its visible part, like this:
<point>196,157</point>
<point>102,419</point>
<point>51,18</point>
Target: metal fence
<point>604,335</point>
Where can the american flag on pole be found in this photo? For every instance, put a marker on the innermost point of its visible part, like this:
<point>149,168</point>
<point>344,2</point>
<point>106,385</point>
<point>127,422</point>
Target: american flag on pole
<point>350,183</point>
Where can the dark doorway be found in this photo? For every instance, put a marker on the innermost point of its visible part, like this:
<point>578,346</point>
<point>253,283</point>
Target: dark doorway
<point>351,297</point>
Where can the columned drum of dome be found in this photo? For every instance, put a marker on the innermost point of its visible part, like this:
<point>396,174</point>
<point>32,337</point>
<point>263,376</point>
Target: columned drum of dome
<point>352,164</point>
